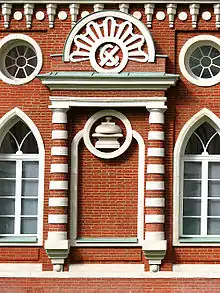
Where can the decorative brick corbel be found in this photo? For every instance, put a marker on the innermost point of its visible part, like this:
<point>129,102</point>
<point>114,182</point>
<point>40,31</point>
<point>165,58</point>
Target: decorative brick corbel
<point>6,12</point>
<point>28,12</point>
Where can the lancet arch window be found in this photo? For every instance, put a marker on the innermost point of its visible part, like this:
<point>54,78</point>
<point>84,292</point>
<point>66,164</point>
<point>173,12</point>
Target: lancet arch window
<point>20,184</point>
<point>200,196</point>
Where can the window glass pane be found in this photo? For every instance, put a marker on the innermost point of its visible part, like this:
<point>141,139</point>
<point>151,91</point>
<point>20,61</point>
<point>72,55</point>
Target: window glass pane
<point>19,130</point>
<point>30,170</point>
<point>30,145</point>
<point>6,225</point>
<point>214,170</point>
<point>214,188</point>
<point>194,146</point>
<point>191,226</point>
<point>7,169</point>
<point>8,145</point>
<point>214,146</point>
<point>205,131</point>
<point>29,207</point>
<point>214,207</point>
<point>191,207</point>
<point>192,170</point>
<point>29,188</point>
<point>7,206</point>
<point>213,226</point>
<point>7,187</point>
<point>29,226</point>
<point>192,188</point>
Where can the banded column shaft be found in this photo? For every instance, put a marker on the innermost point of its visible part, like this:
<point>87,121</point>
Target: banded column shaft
<point>154,201</point>
<point>57,245</point>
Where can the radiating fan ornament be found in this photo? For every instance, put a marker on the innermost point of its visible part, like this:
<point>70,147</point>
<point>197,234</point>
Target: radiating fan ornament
<point>109,45</point>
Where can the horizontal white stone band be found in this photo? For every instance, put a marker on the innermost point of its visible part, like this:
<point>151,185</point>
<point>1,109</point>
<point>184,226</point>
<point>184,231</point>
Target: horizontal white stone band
<point>58,202</point>
<point>156,135</point>
<point>59,116</point>
<point>20,267</point>
<point>59,151</point>
<point>156,117</point>
<point>155,152</point>
<point>155,185</point>
<point>205,268</point>
<point>154,219</point>
<point>59,168</point>
<point>57,235</point>
<point>155,202</point>
<point>58,185</point>
<point>154,236</point>
<point>57,219</point>
<point>155,169</point>
<point>59,134</point>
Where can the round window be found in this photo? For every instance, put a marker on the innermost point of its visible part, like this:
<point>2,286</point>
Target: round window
<point>200,60</point>
<point>21,59</point>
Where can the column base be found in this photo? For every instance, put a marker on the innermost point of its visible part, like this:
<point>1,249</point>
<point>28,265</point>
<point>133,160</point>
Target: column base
<point>57,249</point>
<point>155,252</point>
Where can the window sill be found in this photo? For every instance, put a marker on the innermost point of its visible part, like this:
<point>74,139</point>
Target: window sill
<point>197,241</point>
<point>18,239</point>
<point>106,240</point>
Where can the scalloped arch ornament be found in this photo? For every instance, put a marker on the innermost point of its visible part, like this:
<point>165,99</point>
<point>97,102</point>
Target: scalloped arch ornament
<point>108,39</point>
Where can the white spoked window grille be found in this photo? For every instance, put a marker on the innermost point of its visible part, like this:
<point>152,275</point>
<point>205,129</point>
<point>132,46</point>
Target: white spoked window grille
<point>19,182</point>
<point>200,200</point>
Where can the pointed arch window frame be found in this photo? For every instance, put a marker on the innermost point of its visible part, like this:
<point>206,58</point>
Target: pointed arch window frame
<point>6,123</point>
<point>204,115</point>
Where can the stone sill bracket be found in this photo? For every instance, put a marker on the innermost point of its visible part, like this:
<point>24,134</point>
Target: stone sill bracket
<point>155,252</point>
<point>57,252</point>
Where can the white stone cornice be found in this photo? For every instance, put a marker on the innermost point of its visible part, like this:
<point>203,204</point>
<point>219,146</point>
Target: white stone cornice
<point>51,12</point>
<point>194,11</point>
<point>59,104</point>
<point>98,7</point>
<point>217,15</point>
<point>74,11</point>
<point>171,11</point>
<point>149,11</point>
<point>28,12</point>
<point>6,12</point>
<point>123,7</point>
<point>115,1</point>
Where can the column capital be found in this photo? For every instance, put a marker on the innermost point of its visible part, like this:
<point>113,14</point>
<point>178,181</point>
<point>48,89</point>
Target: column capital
<point>59,115</point>
<point>156,115</point>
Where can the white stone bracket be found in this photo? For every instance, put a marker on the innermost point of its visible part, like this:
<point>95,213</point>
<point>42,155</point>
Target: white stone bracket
<point>155,252</point>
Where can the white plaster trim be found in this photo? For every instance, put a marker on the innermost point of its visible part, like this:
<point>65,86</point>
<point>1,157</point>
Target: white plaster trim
<point>87,132</point>
<point>59,134</point>
<point>129,271</point>
<point>155,169</point>
<point>74,190</point>
<point>187,50</point>
<point>9,41</point>
<point>154,236</point>
<point>154,219</point>
<point>57,219</point>
<point>154,185</point>
<point>155,135</point>
<point>155,202</point>
<point>156,116</point>
<point>117,14</point>
<point>6,122</point>
<point>191,268</point>
<point>59,151</point>
<point>63,103</point>
<point>57,235</point>
<point>59,168</point>
<point>155,152</point>
<point>20,267</point>
<point>59,116</point>
<point>58,185</point>
<point>58,202</point>
<point>181,142</point>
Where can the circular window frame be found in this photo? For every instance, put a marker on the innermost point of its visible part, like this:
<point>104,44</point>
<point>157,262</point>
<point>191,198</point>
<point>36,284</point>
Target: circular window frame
<point>14,40</point>
<point>185,53</point>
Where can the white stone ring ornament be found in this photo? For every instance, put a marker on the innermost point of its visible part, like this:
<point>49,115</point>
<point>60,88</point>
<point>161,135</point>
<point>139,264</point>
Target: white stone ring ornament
<point>87,133</point>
